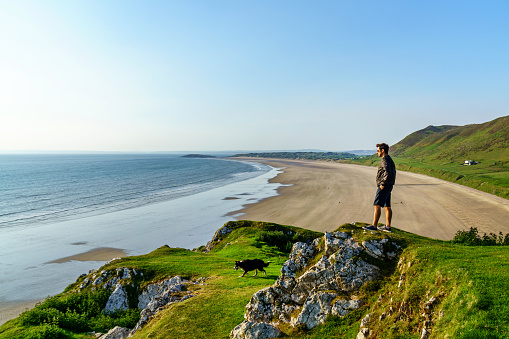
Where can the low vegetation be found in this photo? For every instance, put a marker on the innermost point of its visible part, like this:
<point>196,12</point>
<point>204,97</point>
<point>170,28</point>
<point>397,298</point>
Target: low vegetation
<point>472,238</point>
<point>302,155</point>
<point>461,290</point>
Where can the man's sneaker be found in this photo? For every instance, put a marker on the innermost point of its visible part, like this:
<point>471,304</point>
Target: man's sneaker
<point>384,228</point>
<point>370,228</point>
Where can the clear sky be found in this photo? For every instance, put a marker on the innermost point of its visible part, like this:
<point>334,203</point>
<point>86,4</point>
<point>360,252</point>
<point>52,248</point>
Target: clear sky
<point>218,75</point>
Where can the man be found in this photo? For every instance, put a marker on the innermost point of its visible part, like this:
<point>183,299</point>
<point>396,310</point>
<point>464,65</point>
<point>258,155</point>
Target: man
<point>385,179</point>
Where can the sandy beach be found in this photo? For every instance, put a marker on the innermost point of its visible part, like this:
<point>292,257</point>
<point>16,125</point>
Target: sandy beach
<point>324,195</point>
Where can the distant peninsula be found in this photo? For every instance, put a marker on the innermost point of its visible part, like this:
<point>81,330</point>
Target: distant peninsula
<point>302,155</point>
<point>197,156</point>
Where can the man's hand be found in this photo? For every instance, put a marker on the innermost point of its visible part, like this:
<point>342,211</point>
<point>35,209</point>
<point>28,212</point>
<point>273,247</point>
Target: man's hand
<point>381,187</point>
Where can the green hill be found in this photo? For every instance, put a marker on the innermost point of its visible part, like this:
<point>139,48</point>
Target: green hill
<point>454,290</point>
<point>483,142</point>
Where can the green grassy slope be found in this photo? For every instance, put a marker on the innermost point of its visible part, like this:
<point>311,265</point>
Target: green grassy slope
<point>469,284</point>
<point>482,142</point>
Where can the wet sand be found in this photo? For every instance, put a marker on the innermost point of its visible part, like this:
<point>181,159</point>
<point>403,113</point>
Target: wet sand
<point>11,309</point>
<point>325,195</point>
<point>97,254</point>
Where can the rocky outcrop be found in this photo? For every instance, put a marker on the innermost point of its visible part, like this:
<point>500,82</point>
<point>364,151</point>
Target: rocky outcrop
<point>109,278</point>
<point>254,330</point>
<point>116,333</point>
<point>364,331</point>
<point>150,300</point>
<point>305,294</point>
<point>157,296</point>
<point>117,301</point>
<point>218,236</point>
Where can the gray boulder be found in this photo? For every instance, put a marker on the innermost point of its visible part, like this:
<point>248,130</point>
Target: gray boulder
<point>316,309</point>
<point>157,296</point>
<point>218,236</point>
<point>154,295</point>
<point>117,300</point>
<point>343,307</point>
<point>254,330</point>
<point>116,333</point>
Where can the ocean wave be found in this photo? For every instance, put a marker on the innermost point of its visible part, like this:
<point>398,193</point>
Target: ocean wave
<point>65,191</point>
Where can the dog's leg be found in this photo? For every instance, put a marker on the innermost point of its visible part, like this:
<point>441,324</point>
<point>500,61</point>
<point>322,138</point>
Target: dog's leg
<point>243,274</point>
<point>256,272</point>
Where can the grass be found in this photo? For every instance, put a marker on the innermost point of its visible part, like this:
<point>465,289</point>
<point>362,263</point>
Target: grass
<point>469,283</point>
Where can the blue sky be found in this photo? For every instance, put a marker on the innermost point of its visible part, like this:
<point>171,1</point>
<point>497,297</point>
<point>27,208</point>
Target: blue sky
<point>246,75</point>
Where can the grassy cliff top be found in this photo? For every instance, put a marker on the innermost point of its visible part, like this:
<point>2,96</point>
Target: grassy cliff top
<point>469,284</point>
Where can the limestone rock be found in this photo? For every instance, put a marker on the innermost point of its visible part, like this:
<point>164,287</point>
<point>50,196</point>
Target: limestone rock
<point>116,333</point>
<point>117,300</point>
<point>254,330</point>
<point>262,306</point>
<point>154,295</point>
<point>316,309</point>
<point>333,241</point>
<point>126,274</point>
<point>375,248</point>
<point>365,320</point>
<point>363,334</point>
<point>218,236</point>
<point>301,253</point>
<point>343,307</point>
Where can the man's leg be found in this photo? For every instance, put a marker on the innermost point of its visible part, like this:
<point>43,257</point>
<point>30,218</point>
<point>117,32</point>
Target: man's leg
<point>388,216</point>
<point>376,215</point>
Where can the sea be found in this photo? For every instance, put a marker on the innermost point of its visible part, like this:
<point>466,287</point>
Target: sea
<point>58,205</point>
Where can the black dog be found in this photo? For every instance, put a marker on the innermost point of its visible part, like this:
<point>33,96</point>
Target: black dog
<point>251,265</point>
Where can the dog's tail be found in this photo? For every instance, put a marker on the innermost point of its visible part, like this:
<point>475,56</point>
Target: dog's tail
<point>266,264</point>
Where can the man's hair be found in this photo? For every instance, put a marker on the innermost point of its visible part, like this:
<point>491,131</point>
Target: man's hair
<point>383,146</point>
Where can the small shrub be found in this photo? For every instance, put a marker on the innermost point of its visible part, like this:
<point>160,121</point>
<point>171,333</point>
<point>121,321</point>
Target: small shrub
<point>45,331</point>
<point>77,312</point>
<point>279,239</point>
<point>39,315</point>
<point>128,318</point>
<point>472,238</point>
<point>283,238</point>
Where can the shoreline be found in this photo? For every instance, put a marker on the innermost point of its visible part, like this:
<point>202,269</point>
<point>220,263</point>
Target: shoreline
<point>56,254</point>
<point>321,196</point>
<point>96,254</point>
<point>12,309</point>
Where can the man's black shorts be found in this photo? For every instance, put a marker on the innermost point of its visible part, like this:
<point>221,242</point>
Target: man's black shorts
<point>383,197</point>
